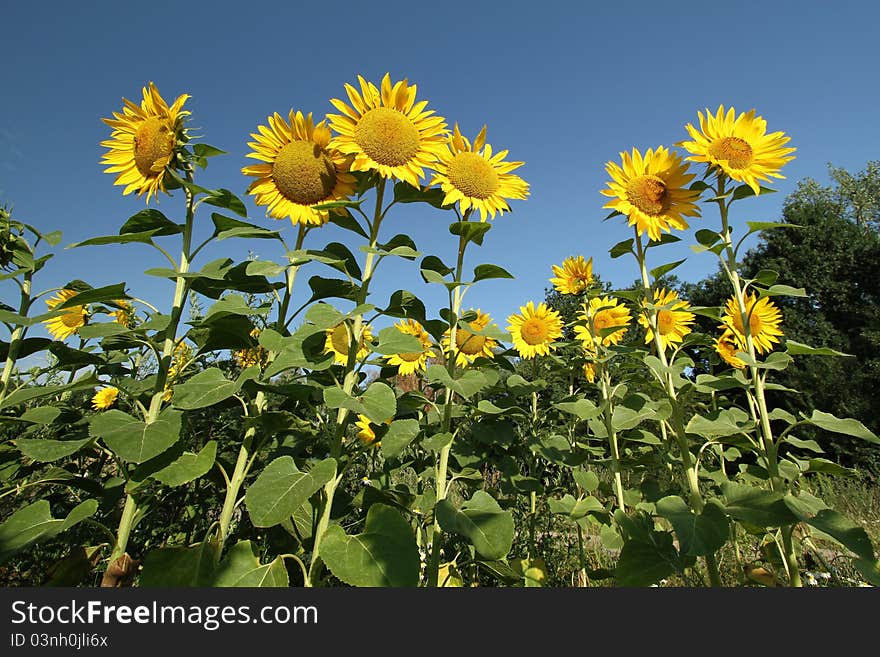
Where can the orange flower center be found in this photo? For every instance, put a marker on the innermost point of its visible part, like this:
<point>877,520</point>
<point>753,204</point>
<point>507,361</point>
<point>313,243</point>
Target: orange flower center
<point>468,343</point>
<point>387,136</point>
<point>534,331</point>
<point>473,175</point>
<point>648,194</point>
<point>304,173</point>
<point>665,322</point>
<point>153,145</point>
<point>736,151</point>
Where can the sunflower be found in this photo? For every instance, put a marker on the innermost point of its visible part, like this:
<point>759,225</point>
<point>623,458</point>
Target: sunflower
<point>366,434</point>
<point>180,358</point>
<point>64,325</point>
<point>124,314</point>
<point>257,355</point>
<point>600,314</point>
<point>651,191</point>
<point>470,346</point>
<point>590,372</point>
<point>574,276</point>
<point>764,320</point>
<point>408,363</point>
<point>673,321</point>
<point>472,176</point>
<point>739,146</point>
<point>337,343</point>
<point>143,142</point>
<point>105,398</point>
<point>727,346</point>
<point>534,330</point>
<point>297,170</point>
<point>388,132</point>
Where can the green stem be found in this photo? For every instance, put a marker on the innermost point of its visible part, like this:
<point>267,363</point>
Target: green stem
<point>612,438</point>
<point>15,339</point>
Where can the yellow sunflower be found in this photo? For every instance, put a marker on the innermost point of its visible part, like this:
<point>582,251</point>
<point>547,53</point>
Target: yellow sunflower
<point>180,358</point>
<point>143,142</point>
<point>590,372</point>
<point>473,177</point>
<point>590,366</point>
<point>366,434</point>
<point>337,343</point>
<point>470,346</point>
<point>574,276</point>
<point>256,355</point>
<point>298,170</point>
<point>388,131</point>
<point>105,398</point>
<point>410,362</point>
<point>124,314</point>
<point>727,346</point>
<point>673,321</point>
<point>739,146</point>
<point>534,330</point>
<point>651,191</point>
<point>64,325</point>
<point>602,313</point>
<point>764,320</point>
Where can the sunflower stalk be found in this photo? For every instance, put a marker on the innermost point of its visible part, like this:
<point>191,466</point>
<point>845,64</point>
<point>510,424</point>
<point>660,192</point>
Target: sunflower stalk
<point>677,426</point>
<point>15,339</point>
<point>607,412</point>
<point>765,435</point>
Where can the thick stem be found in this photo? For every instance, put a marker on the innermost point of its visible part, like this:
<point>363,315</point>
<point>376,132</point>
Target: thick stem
<point>612,438</point>
<point>15,339</point>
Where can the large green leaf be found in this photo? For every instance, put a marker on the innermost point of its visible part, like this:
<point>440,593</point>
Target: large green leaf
<point>242,568</point>
<point>645,562</point>
<point>45,450</point>
<point>394,341</point>
<point>281,488</point>
<point>188,466</point>
<point>466,385</point>
<point>400,434</point>
<point>39,391</point>
<point>698,535</point>
<point>136,441</point>
<point>847,426</point>
<point>756,506</point>
<point>482,521</point>
<point>34,523</point>
<point>848,533</point>
<point>385,554</point>
<point>180,566</point>
<point>204,389</point>
<point>378,401</point>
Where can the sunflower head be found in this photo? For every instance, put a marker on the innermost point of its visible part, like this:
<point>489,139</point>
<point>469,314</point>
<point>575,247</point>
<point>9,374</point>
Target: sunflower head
<point>408,363</point>
<point>338,341</point>
<point>738,146</point>
<point>764,321</point>
<point>180,358</point>
<point>726,346</point>
<point>574,276</point>
<point>65,324</point>
<point>387,131</point>
<point>651,191</point>
<point>470,345</point>
<point>256,355</point>
<point>534,329</point>
<point>297,169</point>
<point>472,176</point>
<point>124,313</point>
<point>144,141</point>
<point>105,398</point>
<point>590,372</point>
<point>605,322</point>
<point>673,319</point>
<point>366,431</point>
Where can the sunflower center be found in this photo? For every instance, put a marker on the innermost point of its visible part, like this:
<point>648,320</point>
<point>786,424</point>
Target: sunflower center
<point>665,322</point>
<point>153,145</point>
<point>648,194</point>
<point>468,343</point>
<point>755,324</point>
<point>602,321</point>
<point>736,151</point>
<point>411,357</point>
<point>304,173</point>
<point>73,318</point>
<point>472,175</point>
<point>387,136</point>
<point>534,331</point>
<point>339,339</point>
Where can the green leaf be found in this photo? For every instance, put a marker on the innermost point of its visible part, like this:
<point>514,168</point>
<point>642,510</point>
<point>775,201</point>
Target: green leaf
<point>400,434</point>
<point>45,450</point>
<point>223,198</point>
<point>393,341</point>
<point>744,191</point>
<point>467,385</point>
<point>34,523</point>
<point>838,526</point>
<point>150,220</point>
<point>325,288</point>
<point>783,291</point>
<point>433,270</point>
<point>756,506</point>
<point>136,441</point>
<point>188,467</point>
<point>94,295</point>
<point>348,222</point>
<point>707,237</point>
<point>41,415</point>
<point>406,193</point>
<point>726,422</point>
<point>698,535</point>
<point>799,349</point>
<point>177,567</point>
<point>242,568</point>
<point>480,520</point>
<point>226,227</point>
<point>755,226</point>
<point>471,231</point>
<point>37,392</point>
<point>385,554</point>
<point>482,272</point>
<point>205,150</point>
<point>622,248</point>
<point>847,426</point>
<point>586,479</point>
<point>281,488</point>
<point>642,563</point>
<point>379,402</point>
<point>204,389</point>
<point>584,409</point>
<point>407,305</point>
<point>657,272</point>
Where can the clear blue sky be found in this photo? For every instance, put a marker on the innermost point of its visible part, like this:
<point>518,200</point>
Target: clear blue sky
<point>565,86</point>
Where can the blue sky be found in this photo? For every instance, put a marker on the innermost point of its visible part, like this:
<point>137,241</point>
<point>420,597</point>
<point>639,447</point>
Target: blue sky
<point>564,86</point>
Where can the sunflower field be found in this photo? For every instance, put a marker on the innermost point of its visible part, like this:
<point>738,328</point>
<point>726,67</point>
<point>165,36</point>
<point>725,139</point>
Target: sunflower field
<point>229,436</point>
